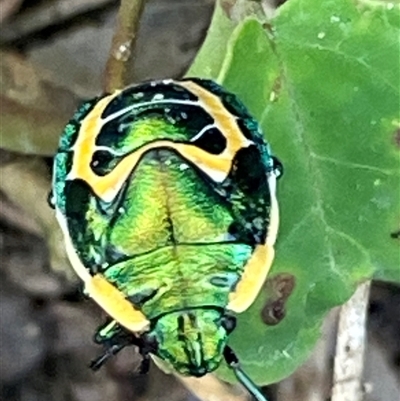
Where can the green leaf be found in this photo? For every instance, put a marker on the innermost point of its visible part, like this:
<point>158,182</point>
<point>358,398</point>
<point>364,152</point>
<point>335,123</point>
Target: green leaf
<point>211,56</point>
<point>323,79</point>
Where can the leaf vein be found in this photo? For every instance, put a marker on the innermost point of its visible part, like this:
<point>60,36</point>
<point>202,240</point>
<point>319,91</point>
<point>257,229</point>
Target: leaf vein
<point>351,165</point>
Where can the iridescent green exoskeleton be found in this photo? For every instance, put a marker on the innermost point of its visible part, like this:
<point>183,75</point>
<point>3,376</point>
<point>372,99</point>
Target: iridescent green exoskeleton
<point>165,192</point>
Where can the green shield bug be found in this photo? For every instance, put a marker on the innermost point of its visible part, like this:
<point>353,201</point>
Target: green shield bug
<point>166,195</point>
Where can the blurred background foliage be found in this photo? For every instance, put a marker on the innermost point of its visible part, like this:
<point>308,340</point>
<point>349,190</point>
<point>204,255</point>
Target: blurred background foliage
<point>53,56</point>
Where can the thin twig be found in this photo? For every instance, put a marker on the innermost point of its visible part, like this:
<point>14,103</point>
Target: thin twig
<point>123,43</point>
<point>350,346</point>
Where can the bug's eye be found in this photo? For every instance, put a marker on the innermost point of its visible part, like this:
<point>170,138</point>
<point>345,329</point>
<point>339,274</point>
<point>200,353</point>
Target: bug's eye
<point>228,323</point>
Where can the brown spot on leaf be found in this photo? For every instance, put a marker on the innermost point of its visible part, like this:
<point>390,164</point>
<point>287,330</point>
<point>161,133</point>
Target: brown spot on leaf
<point>396,138</point>
<point>276,89</point>
<point>227,6</point>
<point>278,289</point>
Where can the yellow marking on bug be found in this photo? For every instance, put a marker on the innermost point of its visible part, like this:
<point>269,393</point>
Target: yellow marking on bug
<point>254,275</point>
<point>108,297</point>
<point>223,120</point>
<point>106,187</point>
<point>115,304</point>
<point>257,268</point>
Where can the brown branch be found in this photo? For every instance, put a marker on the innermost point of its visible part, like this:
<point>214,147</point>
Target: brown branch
<point>46,14</point>
<point>123,44</point>
<point>350,347</point>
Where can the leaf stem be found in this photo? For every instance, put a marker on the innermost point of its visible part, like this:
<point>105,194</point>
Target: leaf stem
<point>123,43</point>
<point>350,346</point>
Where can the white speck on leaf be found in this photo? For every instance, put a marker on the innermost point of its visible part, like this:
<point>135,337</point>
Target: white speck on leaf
<point>321,35</point>
<point>334,19</point>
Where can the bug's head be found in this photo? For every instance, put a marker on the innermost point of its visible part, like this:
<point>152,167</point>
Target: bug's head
<point>192,341</point>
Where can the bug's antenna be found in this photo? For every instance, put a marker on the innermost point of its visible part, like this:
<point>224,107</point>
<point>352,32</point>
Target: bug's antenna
<point>233,362</point>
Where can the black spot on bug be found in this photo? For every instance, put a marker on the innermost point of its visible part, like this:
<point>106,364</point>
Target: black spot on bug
<point>181,328</point>
<point>279,289</point>
<point>249,170</point>
<point>221,281</point>
<point>78,193</point>
<point>103,162</point>
<point>247,191</point>
<point>187,119</point>
<point>140,298</point>
<point>212,141</point>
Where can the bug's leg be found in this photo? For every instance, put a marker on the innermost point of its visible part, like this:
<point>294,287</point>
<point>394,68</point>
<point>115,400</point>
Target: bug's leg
<point>145,364</point>
<point>107,332</point>
<point>114,338</point>
<point>233,362</point>
<point>97,363</point>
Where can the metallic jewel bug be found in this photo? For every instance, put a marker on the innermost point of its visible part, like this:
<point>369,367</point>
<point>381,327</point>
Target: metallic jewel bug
<point>166,195</point>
